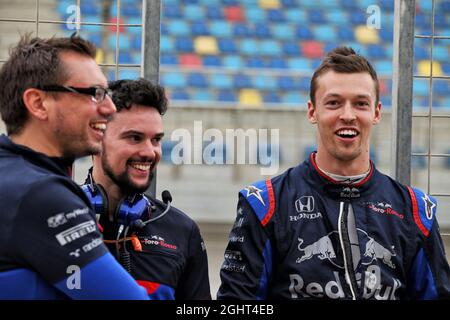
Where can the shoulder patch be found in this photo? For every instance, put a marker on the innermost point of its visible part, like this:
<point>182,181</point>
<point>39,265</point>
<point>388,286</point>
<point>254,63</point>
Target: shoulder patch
<point>424,209</point>
<point>261,198</point>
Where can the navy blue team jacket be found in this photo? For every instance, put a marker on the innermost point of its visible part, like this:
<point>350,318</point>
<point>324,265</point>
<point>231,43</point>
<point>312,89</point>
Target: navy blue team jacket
<point>50,246</point>
<point>290,240</point>
<point>167,257</point>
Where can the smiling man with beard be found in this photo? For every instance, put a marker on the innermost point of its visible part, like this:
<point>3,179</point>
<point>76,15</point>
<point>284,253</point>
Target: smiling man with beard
<point>158,244</point>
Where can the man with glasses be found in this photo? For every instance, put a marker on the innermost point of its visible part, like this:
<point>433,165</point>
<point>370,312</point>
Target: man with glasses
<point>97,93</point>
<point>55,104</point>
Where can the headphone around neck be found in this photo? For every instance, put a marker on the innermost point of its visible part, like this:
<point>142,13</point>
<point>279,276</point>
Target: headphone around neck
<point>130,210</point>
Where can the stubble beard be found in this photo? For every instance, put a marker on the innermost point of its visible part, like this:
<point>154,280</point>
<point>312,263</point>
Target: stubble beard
<point>74,142</point>
<point>75,145</point>
<point>122,180</point>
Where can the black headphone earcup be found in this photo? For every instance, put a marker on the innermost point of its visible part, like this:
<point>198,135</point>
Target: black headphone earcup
<point>131,209</point>
<point>117,212</point>
<point>97,197</point>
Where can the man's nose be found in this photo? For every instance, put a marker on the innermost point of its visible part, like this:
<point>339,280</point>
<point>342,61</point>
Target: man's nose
<point>147,149</point>
<point>348,113</point>
<point>107,106</point>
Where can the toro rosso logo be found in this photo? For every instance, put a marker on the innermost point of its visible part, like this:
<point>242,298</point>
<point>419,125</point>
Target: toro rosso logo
<point>384,208</point>
<point>323,249</point>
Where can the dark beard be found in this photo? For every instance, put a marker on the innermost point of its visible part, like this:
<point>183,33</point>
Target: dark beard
<point>122,180</point>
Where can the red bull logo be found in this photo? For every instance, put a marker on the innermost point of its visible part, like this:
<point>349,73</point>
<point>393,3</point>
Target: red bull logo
<point>333,289</point>
<point>322,248</point>
<point>348,192</point>
<point>375,251</point>
<point>368,277</point>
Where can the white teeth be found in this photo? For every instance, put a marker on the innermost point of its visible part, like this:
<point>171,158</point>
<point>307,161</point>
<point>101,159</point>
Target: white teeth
<point>347,132</point>
<point>143,167</point>
<point>99,126</point>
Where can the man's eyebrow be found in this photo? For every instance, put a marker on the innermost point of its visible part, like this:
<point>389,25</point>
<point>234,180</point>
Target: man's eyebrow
<point>336,95</point>
<point>363,96</point>
<point>332,95</point>
<point>131,132</point>
<point>139,133</point>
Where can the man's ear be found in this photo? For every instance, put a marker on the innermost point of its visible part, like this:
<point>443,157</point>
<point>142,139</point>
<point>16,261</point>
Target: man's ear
<point>34,101</point>
<point>311,113</point>
<point>377,117</point>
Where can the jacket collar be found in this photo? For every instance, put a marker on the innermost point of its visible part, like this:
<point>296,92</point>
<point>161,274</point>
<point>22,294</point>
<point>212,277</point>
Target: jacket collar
<point>337,189</point>
<point>59,165</point>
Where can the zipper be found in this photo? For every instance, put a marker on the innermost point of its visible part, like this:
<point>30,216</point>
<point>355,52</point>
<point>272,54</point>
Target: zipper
<point>344,240</point>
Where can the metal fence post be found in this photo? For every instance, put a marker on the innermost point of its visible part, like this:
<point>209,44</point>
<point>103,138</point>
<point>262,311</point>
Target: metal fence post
<point>402,89</point>
<point>151,12</point>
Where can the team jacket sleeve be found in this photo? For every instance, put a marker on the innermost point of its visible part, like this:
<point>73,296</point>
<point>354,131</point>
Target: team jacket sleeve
<point>429,277</point>
<point>430,274</point>
<point>102,279</point>
<point>245,272</point>
<point>56,236</point>
<point>194,284</point>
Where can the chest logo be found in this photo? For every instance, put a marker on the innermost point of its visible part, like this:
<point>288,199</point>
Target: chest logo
<point>348,192</point>
<point>304,204</point>
<point>322,248</point>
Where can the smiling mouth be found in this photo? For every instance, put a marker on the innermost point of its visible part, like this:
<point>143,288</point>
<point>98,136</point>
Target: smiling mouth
<point>347,133</point>
<point>98,126</point>
<point>141,166</point>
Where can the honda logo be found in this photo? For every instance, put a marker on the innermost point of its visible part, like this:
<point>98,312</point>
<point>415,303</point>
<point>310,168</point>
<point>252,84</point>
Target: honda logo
<point>304,204</point>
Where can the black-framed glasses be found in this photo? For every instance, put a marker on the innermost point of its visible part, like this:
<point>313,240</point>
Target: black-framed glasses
<point>97,93</point>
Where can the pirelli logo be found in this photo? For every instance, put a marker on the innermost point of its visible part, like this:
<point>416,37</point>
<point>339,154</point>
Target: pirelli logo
<point>75,233</point>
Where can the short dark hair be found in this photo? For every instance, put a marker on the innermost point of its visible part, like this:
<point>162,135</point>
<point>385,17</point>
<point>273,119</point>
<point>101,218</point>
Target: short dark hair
<point>343,60</point>
<point>34,63</point>
<point>140,91</point>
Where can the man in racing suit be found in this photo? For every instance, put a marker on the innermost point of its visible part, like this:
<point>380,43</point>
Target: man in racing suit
<point>159,245</point>
<point>54,101</point>
<point>334,227</point>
